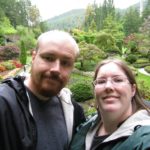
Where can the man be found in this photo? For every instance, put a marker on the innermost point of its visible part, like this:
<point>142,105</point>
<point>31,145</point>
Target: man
<point>37,113</point>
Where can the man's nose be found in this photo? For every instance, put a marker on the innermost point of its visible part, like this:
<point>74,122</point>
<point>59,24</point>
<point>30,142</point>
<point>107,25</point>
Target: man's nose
<point>56,66</point>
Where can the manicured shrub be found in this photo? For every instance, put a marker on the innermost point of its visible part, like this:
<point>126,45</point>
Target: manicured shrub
<point>131,58</point>
<point>82,91</point>
<point>9,52</point>
<point>147,69</point>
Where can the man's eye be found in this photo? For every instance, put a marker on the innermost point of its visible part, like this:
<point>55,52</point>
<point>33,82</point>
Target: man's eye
<point>48,58</point>
<point>66,63</point>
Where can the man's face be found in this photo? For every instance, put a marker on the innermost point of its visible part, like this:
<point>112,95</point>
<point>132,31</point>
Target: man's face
<point>51,67</point>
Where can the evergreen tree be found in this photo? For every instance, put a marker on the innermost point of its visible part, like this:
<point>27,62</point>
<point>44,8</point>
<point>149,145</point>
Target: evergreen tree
<point>146,11</point>
<point>23,54</point>
<point>132,21</point>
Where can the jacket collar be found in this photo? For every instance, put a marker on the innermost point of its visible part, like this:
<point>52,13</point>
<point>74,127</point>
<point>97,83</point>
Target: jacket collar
<point>68,109</point>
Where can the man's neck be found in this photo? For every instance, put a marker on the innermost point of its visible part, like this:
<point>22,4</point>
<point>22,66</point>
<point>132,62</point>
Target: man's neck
<point>28,84</point>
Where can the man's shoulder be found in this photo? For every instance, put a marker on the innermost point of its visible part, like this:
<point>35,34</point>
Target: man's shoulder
<point>11,88</point>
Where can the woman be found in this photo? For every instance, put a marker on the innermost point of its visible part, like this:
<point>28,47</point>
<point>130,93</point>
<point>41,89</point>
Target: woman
<point>123,120</point>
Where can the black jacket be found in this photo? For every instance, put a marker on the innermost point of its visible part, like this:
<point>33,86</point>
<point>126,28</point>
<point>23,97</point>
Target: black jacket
<point>17,126</point>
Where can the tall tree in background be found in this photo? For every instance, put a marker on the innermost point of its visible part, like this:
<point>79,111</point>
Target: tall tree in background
<point>33,16</point>
<point>146,11</point>
<point>108,9</point>
<point>132,21</point>
<point>89,16</point>
<point>96,14</point>
<point>19,12</point>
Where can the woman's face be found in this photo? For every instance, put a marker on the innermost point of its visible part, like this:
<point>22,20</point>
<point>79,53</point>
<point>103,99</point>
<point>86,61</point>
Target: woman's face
<point>113,91</point>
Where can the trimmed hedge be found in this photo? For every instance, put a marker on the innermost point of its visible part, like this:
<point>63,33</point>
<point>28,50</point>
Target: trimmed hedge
<point>147,69</point>
<point>9,52</point>
<point>82,90</point>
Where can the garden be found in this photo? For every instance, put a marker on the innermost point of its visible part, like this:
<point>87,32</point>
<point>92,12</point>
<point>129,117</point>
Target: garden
<point>105,33</point>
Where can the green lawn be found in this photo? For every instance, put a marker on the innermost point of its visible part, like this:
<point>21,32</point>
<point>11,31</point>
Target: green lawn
<point>143,82</point>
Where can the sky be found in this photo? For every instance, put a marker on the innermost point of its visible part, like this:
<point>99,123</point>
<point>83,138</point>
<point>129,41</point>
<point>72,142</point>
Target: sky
<point>52,8</point>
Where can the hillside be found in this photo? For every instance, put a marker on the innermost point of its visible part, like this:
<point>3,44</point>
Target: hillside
<point>68,20</point>
<point>75,18</point>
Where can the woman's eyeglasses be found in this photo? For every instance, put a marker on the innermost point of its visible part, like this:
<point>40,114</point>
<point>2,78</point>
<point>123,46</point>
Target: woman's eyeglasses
<point>116,81</point>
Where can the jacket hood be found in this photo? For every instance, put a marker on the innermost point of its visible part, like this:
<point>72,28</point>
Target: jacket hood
<point>140,118</point>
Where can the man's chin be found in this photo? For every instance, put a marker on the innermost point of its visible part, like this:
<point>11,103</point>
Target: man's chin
<point>49,93</point>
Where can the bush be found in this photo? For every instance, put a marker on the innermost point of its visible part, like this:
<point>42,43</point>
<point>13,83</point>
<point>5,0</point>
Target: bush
<point>82,91</point>
<point>144,90</point>
<point>8,65</point>
<point>17,63</point>
<point>2,68</point>
<point>142,60</point>
<point>147,69</point>
<point>1,78</point>
<point>9,52</point>
<point>142,65</point>
<point>131,59</point>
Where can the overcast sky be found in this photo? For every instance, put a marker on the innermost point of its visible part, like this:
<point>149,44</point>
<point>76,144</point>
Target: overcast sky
<point>51,8</point>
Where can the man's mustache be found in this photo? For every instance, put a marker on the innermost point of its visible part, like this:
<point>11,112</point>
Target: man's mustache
<point>54,77</point>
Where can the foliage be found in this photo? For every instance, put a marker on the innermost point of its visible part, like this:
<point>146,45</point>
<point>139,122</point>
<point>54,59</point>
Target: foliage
<point>2,68</point>
<point>143,83</point>
<point>145,90</point>
<point>9,52</point>
<point>95,15</point>
<point>8,65</point>
<point>43,26</point>
<point>17,63</point>
<point>23,54</point>
<point>113,27</point>
<point>147,68</point>
<point>37,31</point>
<point>78,83</point>
<point>144,38</point>
<point>89,52</point>
<point>131,58</point>
<point>89,18</point>
<point>142,60</point>
<point>106,42</point>
<point>131,41</point>
<point>80,36</point>
<point>6,27</point>
<point>26,36</point>
<point>34,16</point>
<point>132,21</point>
<point>145,29</point>
<point>146,11</point>
<point>1,78</point>
<point>20,12</point>
<point>82,90</point>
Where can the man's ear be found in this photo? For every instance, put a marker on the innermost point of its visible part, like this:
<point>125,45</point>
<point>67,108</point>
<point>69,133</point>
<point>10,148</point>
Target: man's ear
<point>34,54</point>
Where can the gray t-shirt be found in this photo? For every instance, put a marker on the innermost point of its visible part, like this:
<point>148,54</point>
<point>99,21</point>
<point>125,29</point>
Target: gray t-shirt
<point>50,121</point>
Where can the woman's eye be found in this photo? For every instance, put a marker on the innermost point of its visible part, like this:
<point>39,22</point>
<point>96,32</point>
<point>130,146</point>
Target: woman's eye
<point>118,80</point>
<point>101,81</point>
